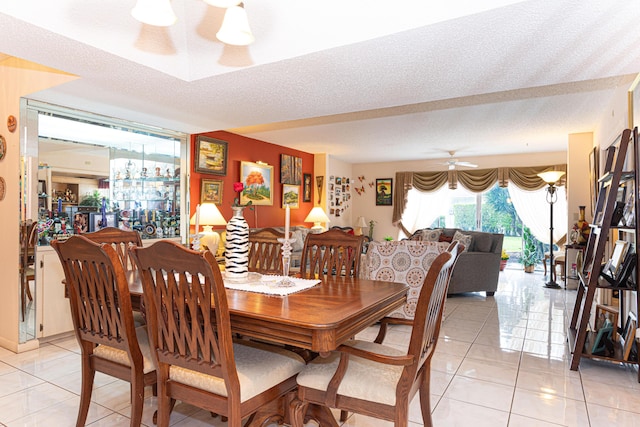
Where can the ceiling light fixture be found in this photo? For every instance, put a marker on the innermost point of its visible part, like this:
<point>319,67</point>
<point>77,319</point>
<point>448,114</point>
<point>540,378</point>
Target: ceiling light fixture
<point>235,27</point>
<point>154,12</point>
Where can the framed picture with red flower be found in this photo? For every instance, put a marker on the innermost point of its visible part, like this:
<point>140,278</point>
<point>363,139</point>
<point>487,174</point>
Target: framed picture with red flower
<point>257,180</point>
<point>211,191</point>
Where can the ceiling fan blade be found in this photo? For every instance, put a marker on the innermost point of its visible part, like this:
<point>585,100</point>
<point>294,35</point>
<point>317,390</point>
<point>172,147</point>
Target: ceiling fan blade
<point>466,164</point>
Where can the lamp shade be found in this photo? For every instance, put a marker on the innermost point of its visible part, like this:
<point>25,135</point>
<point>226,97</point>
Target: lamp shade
<point>235,27</point>
<point>209,215</point>
<point>317,216</point>
<point>551,177</point>
<point>361,222</point>
<point>154,12</point>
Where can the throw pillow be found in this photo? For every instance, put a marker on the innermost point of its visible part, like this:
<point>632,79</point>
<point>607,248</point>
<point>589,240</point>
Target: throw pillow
<point>465,239</point>
<point>431,235</point>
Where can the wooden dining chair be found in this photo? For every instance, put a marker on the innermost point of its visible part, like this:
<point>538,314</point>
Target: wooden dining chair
<point>190,329</point>
<point>120,240</point>
<point>265,255</point>
<point>28,241</point>
<point>379,381</point>
<point>333,252</point>
<point>103,321</point>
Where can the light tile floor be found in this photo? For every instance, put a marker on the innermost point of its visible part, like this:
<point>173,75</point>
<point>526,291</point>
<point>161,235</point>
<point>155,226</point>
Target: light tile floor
<point>501,361</point>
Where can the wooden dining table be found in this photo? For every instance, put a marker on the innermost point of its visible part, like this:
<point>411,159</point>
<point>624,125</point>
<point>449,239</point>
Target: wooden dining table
<point>318,319</point>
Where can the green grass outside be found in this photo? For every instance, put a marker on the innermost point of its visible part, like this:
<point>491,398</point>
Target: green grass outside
<point>512,244</point>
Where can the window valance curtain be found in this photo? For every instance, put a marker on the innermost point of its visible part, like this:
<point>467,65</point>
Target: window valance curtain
<point>476,180</point>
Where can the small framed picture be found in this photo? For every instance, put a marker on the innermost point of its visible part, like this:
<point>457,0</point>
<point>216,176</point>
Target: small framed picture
<point>628,335</point>
<point>291,196</point>
<point>629,212</point>
<point>606,314</point>
<point>619,252</point>
<point>211,156</point>
<point>96,223</point>
<point>384,191</point>
<point>306,187</point>
<point>211,191</point>
<point>81,222</point>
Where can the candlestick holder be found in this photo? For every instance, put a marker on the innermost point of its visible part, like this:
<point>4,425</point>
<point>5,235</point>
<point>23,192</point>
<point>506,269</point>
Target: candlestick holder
<point>286,262</point>
<point>195,243</point>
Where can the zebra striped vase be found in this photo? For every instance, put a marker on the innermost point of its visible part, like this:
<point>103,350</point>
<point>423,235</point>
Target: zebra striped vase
<point>237,246</point>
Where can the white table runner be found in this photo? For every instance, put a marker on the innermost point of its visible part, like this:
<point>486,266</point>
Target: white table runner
<point>268,284</point>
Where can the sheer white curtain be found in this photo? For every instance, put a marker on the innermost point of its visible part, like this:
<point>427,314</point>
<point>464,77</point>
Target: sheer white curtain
<point>422,209</point>
<point>533,209</point>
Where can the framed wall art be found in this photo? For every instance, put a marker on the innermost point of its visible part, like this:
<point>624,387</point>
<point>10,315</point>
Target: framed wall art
<point>290,169</point>
<point>291,196</point>
<point>384,191</point>
<point>306,187</point>
<point>211,156</point>
<point>258,183</point>
<point>211,191</point>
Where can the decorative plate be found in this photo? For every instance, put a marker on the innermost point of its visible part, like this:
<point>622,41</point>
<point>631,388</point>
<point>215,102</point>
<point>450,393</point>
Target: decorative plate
<point>3,186</point>
<point>3,147</point>
<point>12,124</point>
<point>150,229</point>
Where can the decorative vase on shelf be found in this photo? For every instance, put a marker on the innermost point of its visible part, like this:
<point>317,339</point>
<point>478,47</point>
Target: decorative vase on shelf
<point>237,246</point>
<point>581,230</point>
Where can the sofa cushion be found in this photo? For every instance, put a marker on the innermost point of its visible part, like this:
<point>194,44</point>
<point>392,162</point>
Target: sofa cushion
<point>431,235</point>
<point>465,239</point>
<point>482,242</point>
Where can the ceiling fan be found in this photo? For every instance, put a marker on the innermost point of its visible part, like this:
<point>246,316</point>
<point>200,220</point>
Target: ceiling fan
<point>453,162</point>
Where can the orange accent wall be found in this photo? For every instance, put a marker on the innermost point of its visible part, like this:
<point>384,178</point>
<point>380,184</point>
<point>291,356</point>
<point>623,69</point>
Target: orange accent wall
<point>241,148</point>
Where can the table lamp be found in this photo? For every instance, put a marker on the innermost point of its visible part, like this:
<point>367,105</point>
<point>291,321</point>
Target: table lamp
<point>209,215</point>
<point>317,216</point>
<point>360,225</point>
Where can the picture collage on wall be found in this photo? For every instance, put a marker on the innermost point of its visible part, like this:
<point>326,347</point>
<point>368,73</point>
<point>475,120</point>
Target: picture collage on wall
<point>339,195</point>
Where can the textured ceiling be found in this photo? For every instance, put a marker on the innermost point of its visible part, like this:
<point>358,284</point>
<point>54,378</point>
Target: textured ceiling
<point>363,80</point>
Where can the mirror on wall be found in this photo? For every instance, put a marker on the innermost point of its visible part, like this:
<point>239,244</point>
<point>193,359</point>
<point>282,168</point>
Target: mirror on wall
<point>81,172</point>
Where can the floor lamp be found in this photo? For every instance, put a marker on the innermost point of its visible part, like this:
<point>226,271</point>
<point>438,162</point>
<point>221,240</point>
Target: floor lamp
<point>551,178</point>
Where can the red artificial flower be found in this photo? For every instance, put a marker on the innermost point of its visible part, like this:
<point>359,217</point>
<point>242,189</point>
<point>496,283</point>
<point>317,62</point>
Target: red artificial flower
<point>238,187</point>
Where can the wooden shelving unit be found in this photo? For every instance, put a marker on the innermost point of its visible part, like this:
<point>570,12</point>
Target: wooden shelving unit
<point>580,337</point>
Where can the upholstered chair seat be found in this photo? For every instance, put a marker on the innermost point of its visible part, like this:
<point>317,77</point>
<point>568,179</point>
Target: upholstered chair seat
<point>260,366</point>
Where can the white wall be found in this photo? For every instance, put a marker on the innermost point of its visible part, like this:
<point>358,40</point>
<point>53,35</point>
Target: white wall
<point>578,182</point>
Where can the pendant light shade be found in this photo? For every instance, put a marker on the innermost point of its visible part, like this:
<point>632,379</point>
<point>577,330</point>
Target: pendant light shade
<point>154,12</point>
<point>235,27</point>
<point>222,3</point>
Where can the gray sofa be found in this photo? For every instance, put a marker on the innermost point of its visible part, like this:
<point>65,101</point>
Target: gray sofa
<point>478,267</point>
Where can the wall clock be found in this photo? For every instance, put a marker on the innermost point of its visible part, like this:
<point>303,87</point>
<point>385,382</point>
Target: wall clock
<point>3,147</point>
<point>12,124</point>
<point>3,186</point>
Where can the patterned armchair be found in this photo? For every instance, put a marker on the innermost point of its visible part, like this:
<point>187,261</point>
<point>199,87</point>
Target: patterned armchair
<point>404,261</point>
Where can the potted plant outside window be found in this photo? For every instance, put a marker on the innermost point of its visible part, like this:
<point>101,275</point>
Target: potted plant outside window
<point>529,253</point>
